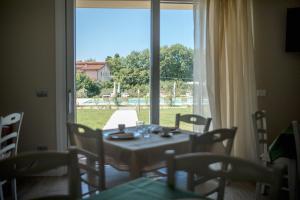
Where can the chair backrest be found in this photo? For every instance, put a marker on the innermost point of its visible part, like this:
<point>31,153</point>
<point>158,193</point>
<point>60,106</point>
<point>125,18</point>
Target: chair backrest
<point>203,142</point>
<point>261,134</point>
<point>193,119</point>
<point>9,142</point>
<point>217,141</point>
<point>89,143</point>
<point>237,169</point>
<point>34,163</point>
<point>296,130</point>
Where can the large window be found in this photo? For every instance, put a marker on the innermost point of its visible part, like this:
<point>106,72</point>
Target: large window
<point>118,54</point>
<point>112,64</point>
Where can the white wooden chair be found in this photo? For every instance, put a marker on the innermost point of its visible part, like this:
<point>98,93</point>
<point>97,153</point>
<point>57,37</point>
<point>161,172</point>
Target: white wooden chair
<point>89,144</point>
<point>236,170</point>
<point>217,141</point>
<point>9,144</point>
<point>34,163</point>
<point>193,119</point>
<point>260,128</point>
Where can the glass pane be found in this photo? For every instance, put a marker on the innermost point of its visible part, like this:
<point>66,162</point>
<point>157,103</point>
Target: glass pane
<point>112,63</point>
<point>176,63</point>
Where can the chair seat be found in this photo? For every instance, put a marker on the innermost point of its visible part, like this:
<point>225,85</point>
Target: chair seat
<point>207,188</point>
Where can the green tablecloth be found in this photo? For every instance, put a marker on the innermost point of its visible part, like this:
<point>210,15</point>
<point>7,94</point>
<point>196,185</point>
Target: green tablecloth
<point>284,145</point>
<point>143,189</point>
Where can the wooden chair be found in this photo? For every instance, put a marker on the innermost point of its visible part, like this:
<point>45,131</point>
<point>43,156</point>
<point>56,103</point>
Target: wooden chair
<point>236,170</point>
<point>89,144</point>
<point>217,141</point>
<point>193,119</point>
<point>34,163</point>
<point>296,130</point>
<point>260,128</point>
<point>9,144</point>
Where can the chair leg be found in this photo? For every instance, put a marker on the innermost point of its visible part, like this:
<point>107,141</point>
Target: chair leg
<point>1,192</point>
<point>258,191</point>
<point>292,174</point>
<point>221,190</point>
<point>14,189</point>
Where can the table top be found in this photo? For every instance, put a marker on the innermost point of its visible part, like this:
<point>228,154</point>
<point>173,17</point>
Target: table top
<point>142,154</point>
<point>145,189</point>
<point>140,143</point>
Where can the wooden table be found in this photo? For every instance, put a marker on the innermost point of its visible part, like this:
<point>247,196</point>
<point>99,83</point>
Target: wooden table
<point>142,154</point>
<point>145,189</point>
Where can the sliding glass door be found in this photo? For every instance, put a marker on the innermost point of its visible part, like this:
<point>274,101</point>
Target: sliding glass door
<point>112,63</point>
<point>176,62</point>
<point>134,61</point>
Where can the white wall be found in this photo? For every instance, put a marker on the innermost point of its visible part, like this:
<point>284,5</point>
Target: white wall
<point>27,63</point>
<point>276,70</point>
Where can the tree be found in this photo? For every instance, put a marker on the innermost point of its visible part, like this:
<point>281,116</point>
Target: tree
<point>81,78</point>
<point>138,59</point>
<point>87,85</point>
<point>132,71</point>
<point>115,63</point>
<point>176,63</point>
<point>92,88</point>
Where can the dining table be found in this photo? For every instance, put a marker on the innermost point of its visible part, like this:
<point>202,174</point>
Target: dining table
<point>145,189</point>
<point>142,154</point>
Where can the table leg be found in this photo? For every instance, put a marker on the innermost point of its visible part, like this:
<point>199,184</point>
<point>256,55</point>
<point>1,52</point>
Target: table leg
<point>135,171</point>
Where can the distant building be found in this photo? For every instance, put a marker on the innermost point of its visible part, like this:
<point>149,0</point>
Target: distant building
<point>95,70</point>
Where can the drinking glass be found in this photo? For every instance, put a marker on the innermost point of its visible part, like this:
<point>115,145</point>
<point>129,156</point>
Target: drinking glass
<point>139,125</point>
<point>146,132</point>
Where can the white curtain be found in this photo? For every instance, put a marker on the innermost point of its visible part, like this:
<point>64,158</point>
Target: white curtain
<point>229,68</point>
<point>200,96</point>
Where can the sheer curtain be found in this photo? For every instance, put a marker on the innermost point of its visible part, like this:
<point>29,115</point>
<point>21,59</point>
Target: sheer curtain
<point>200,95</point>
<point>229,68</point>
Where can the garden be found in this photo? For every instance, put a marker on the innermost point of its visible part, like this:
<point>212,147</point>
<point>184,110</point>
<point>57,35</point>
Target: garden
<point>129,87</point>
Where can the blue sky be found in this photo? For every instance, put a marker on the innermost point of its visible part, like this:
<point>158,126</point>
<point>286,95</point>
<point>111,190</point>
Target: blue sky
<point>104,32</point>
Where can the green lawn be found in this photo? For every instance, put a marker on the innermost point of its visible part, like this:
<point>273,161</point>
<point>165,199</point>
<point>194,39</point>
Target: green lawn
<point>94,118</point>
<point>97,118</point>
<point>167,116</point>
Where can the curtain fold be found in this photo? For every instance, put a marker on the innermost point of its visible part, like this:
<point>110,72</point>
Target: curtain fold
<point>229,70</point>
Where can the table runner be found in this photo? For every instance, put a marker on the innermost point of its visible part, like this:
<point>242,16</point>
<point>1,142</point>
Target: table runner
<point>144,189</point>
<point>142,154</point>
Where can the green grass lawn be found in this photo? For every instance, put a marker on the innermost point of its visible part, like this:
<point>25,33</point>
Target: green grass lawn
<point>97,118</point>
<point>167,116</point>
<point>94,118</point>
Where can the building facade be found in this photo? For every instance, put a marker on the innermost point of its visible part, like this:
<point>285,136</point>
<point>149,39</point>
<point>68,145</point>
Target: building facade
<point>95,70</point>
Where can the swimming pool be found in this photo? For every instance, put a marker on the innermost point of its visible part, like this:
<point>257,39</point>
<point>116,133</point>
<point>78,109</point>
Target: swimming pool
<point>179,101</point>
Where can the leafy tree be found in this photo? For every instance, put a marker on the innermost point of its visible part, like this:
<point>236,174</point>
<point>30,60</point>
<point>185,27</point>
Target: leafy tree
<point>132,71</point>
<point>87,85</point>
<point>92,88</point>
<point>138,59</point>
<point>115,63</point>
<point>167,89</point>
<point>176,63</point>
<point>81,78</point>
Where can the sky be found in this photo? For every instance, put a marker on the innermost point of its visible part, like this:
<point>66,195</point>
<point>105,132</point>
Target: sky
<point>104,32</point>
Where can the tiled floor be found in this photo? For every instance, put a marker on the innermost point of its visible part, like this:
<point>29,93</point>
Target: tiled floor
<point>37,186</point>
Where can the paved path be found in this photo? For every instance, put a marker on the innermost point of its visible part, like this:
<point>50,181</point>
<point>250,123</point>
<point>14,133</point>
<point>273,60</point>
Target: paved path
<point>127,117</point>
